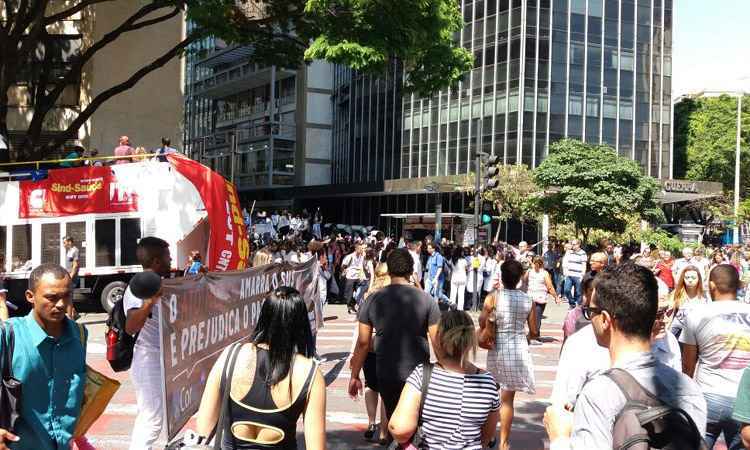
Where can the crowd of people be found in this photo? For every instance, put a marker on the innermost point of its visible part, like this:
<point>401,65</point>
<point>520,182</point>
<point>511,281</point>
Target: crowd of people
<point>124,153</point>
<point>639,325</point>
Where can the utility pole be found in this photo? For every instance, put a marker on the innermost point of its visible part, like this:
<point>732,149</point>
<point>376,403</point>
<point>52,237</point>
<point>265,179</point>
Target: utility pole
<point>477,211</point>
<point>737,172</point>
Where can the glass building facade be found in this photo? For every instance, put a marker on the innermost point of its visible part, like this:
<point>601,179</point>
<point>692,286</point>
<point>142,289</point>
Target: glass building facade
<point>367,126</point>
<point>595,70</point>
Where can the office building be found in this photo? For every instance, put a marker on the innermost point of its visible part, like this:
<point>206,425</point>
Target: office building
<point>595,70</point>
<point>266,128</point>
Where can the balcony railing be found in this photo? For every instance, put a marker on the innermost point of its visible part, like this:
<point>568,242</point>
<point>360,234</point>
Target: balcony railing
<point>246,112</point>
<point>238,73</point>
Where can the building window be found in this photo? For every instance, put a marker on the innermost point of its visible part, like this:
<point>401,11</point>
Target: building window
<point>575,105</point>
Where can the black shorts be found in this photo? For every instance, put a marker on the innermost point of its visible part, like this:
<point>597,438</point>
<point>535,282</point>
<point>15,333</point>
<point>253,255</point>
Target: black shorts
<point>370,370</point>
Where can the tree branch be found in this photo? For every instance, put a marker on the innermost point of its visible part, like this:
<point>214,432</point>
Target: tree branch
<point>155,20</point>
<point>72,10</point>
<point>124,86</point>
<point>130,24</point>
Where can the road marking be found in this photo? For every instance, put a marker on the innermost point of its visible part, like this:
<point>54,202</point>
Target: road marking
<point>94,348</point>
<point>122,409</point>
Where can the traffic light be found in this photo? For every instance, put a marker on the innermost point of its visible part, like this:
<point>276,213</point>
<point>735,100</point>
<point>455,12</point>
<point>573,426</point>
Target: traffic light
<point>490,173</point>
<point>486,218</point>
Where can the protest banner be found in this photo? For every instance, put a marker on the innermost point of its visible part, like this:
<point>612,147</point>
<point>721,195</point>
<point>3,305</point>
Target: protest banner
<point>203,315</point>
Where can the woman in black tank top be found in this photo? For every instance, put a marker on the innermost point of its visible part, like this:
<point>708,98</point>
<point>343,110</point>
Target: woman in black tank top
<point>273,381</point>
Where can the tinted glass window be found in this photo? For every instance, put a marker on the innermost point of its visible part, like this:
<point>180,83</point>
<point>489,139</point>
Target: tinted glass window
<point>105,242</point>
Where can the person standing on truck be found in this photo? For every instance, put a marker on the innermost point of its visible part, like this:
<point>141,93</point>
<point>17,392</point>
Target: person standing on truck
<point>123,149</point>
<point>145,372</point>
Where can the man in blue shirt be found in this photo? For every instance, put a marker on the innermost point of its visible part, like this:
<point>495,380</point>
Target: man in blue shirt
<point>434,283</point>
<point>50,362</point>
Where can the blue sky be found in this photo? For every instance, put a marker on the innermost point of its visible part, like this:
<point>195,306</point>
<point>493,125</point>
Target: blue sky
<point>711,45</point>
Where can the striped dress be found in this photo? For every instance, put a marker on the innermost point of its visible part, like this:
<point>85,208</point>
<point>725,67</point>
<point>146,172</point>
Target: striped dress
<point>456,407</point>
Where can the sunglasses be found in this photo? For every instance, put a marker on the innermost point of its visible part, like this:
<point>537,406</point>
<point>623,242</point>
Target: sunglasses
<point>590,311</point>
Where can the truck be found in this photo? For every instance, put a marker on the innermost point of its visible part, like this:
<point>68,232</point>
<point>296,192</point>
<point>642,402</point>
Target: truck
<point>106,210</point>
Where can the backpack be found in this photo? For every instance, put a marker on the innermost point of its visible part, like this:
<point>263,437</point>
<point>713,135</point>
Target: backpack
<point>646,422</point>
<point>119,343</point>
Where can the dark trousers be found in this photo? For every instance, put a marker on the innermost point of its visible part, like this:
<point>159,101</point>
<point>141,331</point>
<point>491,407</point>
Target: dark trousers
<point>349,287</point>
<point>390,392</point>
<point>539,312</point>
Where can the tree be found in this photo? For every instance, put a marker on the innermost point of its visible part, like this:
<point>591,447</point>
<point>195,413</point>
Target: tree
<point>514,195</point>
<point>364,35</point>
<point>595,188</point>
<point>705,140</point>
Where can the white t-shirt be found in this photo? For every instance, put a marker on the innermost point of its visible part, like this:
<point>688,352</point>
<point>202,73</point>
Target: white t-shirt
<point>721,330</point>
<point>71,255</point>
<point>582,358</point>
<point>417,265</point>
<point>459,272</point>
<point>354,265</point>
<point>148,339</point>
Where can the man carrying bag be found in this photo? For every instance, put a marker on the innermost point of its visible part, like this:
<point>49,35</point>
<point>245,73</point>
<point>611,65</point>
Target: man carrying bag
<point>46,355</point>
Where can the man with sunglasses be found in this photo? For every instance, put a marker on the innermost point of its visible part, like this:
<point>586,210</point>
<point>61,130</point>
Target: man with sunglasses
<point>582,358</point>
<point>622,311</point>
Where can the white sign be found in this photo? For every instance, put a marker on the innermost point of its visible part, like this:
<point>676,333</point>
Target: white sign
<point>469,236</point>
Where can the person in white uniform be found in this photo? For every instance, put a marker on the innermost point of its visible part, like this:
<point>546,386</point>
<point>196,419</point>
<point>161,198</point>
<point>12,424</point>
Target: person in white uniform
<point>145,372</point>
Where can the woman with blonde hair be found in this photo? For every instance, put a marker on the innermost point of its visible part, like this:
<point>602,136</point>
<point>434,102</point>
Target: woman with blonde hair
<point>262,257</point>
<point>687,293</point>
<point>461,405</point>
<point>380,279</point>
<point>139,154</point>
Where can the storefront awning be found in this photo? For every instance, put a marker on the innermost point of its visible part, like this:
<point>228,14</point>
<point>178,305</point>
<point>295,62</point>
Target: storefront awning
<point>430,215</point>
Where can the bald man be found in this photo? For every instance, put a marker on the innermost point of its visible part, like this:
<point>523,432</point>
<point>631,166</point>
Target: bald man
<point>123,150</point>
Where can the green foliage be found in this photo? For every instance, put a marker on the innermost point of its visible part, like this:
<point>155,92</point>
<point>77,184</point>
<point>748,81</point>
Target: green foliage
<point>515,194</point>
<point>663,240</point>
<point>595,188</point>
<point>366,35</point>
<point>705,140</point>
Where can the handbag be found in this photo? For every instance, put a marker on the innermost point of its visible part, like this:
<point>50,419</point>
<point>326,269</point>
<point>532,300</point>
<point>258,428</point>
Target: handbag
<point>97,393</point>
<point>417,440</point>
<point>10,389</point>
<point>191,440</point>
<point>486,336</point>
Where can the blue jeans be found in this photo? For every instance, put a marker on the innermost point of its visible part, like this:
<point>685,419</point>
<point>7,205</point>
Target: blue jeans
<point>434,290</point>
<point>720,420</point>
<point>575,297</point>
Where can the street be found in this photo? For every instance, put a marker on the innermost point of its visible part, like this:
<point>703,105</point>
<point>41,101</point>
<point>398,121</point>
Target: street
<point>346,419</point>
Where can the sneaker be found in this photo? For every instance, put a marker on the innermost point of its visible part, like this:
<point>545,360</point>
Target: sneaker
<point>371,430</point>
<point>535,342</point>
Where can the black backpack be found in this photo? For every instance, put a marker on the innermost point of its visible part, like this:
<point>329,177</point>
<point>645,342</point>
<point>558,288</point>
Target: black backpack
<point>646,422</point>
<point>119,343</point>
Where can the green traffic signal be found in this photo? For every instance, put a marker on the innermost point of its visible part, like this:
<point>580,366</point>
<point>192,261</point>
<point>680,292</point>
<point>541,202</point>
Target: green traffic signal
<point>486,218</point>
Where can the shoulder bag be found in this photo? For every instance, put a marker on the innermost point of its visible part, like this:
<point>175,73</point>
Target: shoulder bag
<point>417,440</point>
<point>486,335</point>
<point>10,389</point>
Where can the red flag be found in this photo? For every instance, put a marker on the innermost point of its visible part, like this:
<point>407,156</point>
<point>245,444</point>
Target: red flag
<point>228,246</point>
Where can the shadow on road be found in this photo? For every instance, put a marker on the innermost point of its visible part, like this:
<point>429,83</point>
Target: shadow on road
<point>340,358</point>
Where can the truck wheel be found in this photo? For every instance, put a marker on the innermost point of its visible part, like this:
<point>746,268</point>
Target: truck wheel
<point>112,293</point>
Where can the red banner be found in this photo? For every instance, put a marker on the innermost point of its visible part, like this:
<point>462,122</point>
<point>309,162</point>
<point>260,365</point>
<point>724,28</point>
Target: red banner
<point>228,246</point>
<point>79,190</point>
